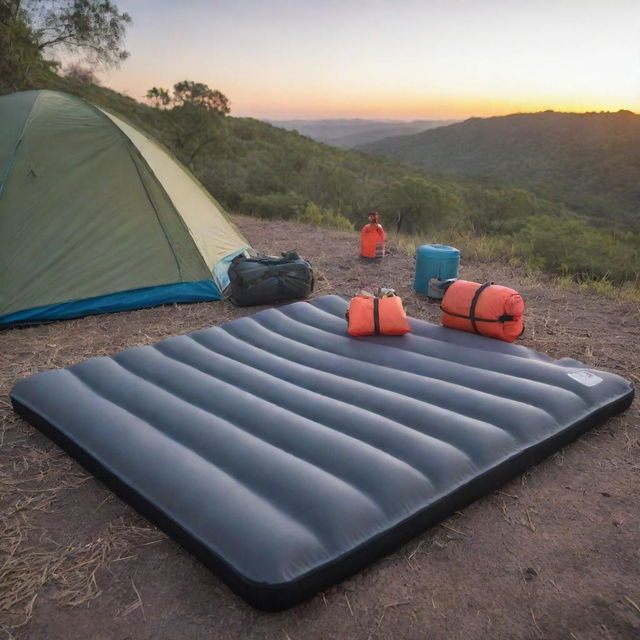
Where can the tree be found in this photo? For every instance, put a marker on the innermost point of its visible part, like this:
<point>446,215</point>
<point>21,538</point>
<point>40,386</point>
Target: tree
<point>21,62</point>
<point>194,116</point>
<point>93,28</point>
<point>496,211</point>
<point>190,95</point>
<point>159,97</point>
<point>419,204</point>
<point>29,29</point>
<point>198,94</point>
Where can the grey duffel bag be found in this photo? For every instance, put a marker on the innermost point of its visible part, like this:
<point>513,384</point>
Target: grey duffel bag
<point>265,280</point>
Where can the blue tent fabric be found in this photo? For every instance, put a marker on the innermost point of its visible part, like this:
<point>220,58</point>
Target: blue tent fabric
<point>204,290</point>
<point>220,271</point>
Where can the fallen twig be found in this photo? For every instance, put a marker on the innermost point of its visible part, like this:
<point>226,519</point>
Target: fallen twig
<point>346,597</point>
<point>535,624</point>
<point>139,598</point>
<point>446,526</point>
<point>529,519</point>
<point>632,603</point>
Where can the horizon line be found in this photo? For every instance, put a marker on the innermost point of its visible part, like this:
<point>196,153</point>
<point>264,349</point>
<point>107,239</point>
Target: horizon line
<point>433,119</point>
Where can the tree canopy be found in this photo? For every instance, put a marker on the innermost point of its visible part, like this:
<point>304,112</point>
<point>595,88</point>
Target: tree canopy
<point>190,95</point>
<point>198,94</point>
<point>158,97</point>
<point>31,31</point>
<point>193,114</point>
<point>94,29</point>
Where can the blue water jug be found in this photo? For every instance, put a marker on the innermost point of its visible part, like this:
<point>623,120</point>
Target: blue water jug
<point>435,261</point>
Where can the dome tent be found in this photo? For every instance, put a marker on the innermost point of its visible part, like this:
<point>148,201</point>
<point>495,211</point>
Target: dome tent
<point>95,216</point>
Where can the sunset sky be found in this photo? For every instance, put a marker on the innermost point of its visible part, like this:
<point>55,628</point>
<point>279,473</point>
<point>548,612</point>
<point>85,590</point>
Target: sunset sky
<point>401,59</point>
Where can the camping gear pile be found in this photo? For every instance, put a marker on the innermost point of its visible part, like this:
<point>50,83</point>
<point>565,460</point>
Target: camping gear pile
<point>107,184</point>
<point>486,309</point>
<point>265,280</point>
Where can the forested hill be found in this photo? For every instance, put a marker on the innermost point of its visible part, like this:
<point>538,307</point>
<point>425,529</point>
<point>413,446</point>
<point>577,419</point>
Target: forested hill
<point>262,170</point>
<point>589,161</point>
<point>255,168</point>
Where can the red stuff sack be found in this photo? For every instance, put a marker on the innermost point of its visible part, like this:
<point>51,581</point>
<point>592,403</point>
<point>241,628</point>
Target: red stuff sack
<point>368,316</point>
<point>487,309</point>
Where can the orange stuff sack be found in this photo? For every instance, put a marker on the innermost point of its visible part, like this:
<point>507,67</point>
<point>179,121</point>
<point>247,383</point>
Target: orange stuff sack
<point>369,316</point>
<point>488,309</point>
<point>372,241</point>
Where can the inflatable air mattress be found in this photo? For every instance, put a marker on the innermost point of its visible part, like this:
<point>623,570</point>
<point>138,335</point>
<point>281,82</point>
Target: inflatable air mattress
<point>286,455</point>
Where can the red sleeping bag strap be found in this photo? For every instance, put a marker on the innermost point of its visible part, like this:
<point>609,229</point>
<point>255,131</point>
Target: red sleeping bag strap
<point>472,311</point>
<point>474,304</point>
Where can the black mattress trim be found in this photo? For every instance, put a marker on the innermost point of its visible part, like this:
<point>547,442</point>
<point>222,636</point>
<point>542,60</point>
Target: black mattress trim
<point>276,597</point>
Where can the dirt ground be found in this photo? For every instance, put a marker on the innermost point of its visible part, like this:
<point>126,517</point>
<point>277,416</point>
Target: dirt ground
<point>553,554</point>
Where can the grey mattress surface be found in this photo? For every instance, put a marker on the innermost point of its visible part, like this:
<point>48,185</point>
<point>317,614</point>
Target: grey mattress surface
<point>286,455</point>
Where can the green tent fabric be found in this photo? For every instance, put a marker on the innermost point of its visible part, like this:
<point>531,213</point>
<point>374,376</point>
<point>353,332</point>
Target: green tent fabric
<point>97,216</point>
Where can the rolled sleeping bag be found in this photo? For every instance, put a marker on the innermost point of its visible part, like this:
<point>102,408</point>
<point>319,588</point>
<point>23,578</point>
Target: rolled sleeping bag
<point>368,316</point>
<point>488,309</point>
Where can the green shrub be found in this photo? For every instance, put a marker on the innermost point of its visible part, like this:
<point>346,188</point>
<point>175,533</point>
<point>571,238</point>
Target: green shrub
<point>273,205</point>
<point>570,246</point>
<point>313,214</point>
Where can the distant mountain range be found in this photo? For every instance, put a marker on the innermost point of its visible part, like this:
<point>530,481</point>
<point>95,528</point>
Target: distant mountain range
<point>354,132</point>
<point>589,161</point>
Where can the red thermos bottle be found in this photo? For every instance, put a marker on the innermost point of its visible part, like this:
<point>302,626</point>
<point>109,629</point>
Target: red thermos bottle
<point>372,238</point>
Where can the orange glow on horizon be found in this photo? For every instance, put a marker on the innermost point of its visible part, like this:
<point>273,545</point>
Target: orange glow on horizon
<point>407,107</point>
<point>418,59</point>
<point>418,110</point>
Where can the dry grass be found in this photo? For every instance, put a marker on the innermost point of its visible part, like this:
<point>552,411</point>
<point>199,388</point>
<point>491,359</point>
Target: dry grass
<point>30,558</point>
<point>628,292</point>
<point>73,567</point>
<point>474,247</point>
